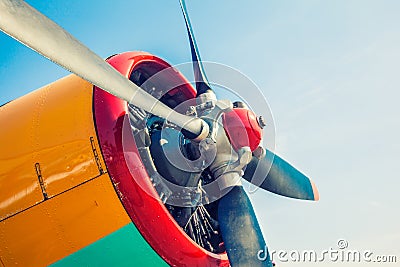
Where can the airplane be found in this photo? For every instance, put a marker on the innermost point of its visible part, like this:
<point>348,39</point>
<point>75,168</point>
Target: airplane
<point>85,176</point>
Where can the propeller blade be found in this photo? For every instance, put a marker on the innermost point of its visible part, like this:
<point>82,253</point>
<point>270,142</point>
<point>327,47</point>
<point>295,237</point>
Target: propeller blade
<point>240,230</point>
<point>202,84</point>
<point>33,29</point>
<point>279,177</point>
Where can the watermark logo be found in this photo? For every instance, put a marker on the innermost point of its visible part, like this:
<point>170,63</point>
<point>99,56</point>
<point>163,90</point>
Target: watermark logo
<point>342,244</point>
<point>228,83</point>
<point>341,253</point>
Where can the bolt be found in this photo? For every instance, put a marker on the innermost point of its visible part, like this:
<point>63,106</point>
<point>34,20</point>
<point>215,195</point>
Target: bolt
<point>261,121</point>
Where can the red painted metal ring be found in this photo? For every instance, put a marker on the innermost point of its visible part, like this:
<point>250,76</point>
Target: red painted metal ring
<point>145,209</point>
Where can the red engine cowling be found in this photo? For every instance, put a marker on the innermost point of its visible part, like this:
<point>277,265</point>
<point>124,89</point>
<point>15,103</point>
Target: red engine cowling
<point>130,177</point>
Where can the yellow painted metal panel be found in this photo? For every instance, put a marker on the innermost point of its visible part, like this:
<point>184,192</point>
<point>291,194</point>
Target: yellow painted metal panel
<point>48,132</point>
<point>19,187</point>
<point>62,225</point>
<point>63,136</point>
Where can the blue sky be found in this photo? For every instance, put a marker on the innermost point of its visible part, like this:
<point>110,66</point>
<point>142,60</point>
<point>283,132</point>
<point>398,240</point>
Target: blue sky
<point>329,70</point>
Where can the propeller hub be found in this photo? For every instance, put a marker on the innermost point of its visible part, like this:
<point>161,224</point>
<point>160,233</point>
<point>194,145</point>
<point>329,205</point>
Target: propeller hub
<point>242,128</point>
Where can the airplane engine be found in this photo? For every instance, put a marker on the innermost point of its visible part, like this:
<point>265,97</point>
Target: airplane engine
<point>76,176</point>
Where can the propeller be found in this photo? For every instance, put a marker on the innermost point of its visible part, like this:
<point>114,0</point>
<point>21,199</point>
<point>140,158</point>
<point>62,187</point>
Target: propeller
<point>239,227</point>
<point>279,177</point>
<point>202,84</point>
<point>240,230</point>
<point>30,27</point>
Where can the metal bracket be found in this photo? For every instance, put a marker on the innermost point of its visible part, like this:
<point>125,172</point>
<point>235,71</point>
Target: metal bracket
<point>41,182</point>
<point>96,155</point>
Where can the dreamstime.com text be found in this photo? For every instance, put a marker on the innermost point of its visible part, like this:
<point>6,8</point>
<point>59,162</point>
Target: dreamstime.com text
<point>340,254</point>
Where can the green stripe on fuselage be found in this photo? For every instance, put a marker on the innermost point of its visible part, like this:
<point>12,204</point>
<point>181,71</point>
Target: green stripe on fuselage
<point>124,247</point>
